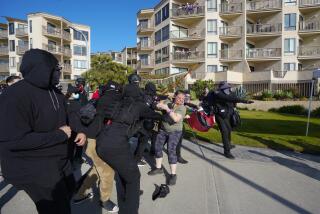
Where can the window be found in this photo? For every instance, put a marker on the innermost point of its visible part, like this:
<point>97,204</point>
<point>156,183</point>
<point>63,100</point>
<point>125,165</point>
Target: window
<point>290,2</point>
<point>165,12</point>
<point>179,32</point>
<point>158,18</point>
<point>289,66</point>
<point>144,41</point>
<point>158,37</point>
<point>12,62</point>
<point>165,54</point>
<point>212,49</point>
<point>12,45</point>
<point>158,56</point>
<point>11,28</point>
<point>212,68</point>
<point>51,28</point>
<point>80,64</point>
<point>290,22</point>
<point>79,50</point>
<point>144,59</point>
<point>289,46</point>
<point>212,5</point>
<point>162,71</point>
<point>30,26</point>
<point>224,68</point>
<point>77,35</point>
<point>177,70</point>
<point>212,26</point>
<point>165,33</point>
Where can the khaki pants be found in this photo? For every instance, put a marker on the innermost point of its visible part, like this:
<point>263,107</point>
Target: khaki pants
<point>101,174</point>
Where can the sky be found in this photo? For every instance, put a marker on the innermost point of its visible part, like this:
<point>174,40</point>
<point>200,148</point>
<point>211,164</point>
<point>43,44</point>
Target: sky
<point>113,22</point>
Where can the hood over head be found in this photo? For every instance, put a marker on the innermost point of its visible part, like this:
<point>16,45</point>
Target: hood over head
<point>40,68</point>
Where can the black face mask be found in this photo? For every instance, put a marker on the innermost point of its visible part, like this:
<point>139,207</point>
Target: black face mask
<point>56,76</point>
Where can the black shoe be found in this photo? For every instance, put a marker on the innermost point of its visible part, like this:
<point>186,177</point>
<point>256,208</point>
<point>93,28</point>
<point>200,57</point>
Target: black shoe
<point>155,171</point>
<point>109,206</point>
<point>141,163</point>
<point>182,161</point>
<point>81,200</point>
<point>172,180</point>
<point>229,155</point>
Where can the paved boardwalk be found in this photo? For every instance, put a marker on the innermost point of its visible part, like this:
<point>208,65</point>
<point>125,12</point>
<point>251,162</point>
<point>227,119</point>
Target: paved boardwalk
<point>258,181</point>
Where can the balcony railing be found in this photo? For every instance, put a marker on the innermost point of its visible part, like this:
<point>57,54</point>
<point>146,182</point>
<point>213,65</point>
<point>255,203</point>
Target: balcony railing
<point>231,8</point>
<point>264,28</point>
<point>231,54</point>
<point>4,50</point>
<point>146,26</point>
<point>309,3</point>
<point>309,51</point>
<point>66,51</point>
<point>309,26</point>
<point>54,49</point>
<point>66,68</point>
<point>279,74</point>
<point>3,34</point>
<point>22,31</point>
<point>188,11</point>
<point>21,49</point>
<point>264,5</point>
<point>146,64</point>
<point>51,31</point>
<point>230,31</point>
<point>66,35</point>
<point>263,52</point>
<point>186,34</point>
<point>145,45</point>
<point>4,67</point>
<point>187,55</point>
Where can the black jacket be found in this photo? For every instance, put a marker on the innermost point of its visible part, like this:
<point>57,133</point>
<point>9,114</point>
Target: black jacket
<point>33,149</point>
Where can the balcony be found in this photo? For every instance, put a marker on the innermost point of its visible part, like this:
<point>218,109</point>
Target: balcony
<point>66,51</point>
<point>254,30</point>
<point>54,32</point>
<point>4,51</point>
<point>229,76</point>
<point>263,54</point>
<point>309,52</point>
<point>22,32</point>
<point>188,12</point>
<point>309,27</point>
<point>230,8</point>
<point>145,27</point>
<point>67,68</point>
<point>230,32</point>
<point>66,35</point>
<point>145,46</point>
<point>145,64</point>
<point>265,5</point>
<point>186,35</point>
<point>21,49</point>
<point>186,57</point>
<point>54,49</point>
<point>3,34</point>
<point>4,68</point>
<point>309,3</point>
<point>231,55</point>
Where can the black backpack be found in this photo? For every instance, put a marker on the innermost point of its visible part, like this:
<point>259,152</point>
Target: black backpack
<point>235,119</point>
<point>87,113</point>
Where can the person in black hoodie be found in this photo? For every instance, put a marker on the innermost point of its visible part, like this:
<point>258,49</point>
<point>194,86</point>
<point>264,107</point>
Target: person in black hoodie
<point>34,134</point>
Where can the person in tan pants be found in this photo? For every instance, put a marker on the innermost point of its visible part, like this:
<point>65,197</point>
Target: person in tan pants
<point>101,174</point>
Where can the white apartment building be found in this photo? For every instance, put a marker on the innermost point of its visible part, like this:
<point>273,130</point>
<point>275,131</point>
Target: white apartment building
<point>67,41</point>
<point>259,44</point>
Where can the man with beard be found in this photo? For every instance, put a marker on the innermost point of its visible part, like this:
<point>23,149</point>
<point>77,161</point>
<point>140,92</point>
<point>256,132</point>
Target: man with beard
<point>34,135</point>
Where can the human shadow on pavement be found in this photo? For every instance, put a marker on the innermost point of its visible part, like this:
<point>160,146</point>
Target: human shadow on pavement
<point>293,165</point>
<point>206,147</point>
<point>294,207</point>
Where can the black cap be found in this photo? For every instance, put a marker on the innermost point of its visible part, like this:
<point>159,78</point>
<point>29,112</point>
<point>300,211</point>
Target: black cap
<point>79,81</point>
<point>111,85</point>
<point>134,78</point>
<point>224,85</point>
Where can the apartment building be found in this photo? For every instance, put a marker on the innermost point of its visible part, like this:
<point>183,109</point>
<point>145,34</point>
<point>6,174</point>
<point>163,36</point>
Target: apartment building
<point>259,44</point>
<point>68,42</point>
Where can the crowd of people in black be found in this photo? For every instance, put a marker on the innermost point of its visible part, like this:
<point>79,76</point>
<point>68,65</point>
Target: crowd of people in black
<point>44,132</point>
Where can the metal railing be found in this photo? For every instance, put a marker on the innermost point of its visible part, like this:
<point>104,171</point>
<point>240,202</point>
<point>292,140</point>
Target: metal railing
<point>145,45</point>
<point>231,54</point>
<point>309,51</point>
<point>66,68</point>
<point>188,11</point>
<point>51,31</point>
<point>309,3</point>
<point>3,34</point>
<point>22,31</point>
<point>186,34</point>
<point>55,49</point>
<point>66,51</point>
<point>309,26</point>
<point>146,26</point>
<point>21,49</point>
<point>230,31</point>
<point>263,28</point>
<point>4,67</point>
<point>66,35</point>
<point>231,8</point>
<point>4,50</point>
<point>264,5</point>
<point>263,52</point>
<point>145,64</point>
<point>187,55</point>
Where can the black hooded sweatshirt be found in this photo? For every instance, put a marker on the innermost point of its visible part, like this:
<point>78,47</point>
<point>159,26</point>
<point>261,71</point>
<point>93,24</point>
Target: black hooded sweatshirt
<point>33,149</point>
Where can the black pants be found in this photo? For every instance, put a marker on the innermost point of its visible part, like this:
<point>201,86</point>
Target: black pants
<point>142,144</point>
<point>51,200</point>
<point>225,130</point>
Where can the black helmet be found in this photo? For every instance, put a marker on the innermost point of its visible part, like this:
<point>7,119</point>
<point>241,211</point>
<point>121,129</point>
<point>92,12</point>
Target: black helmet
<point>80,81</point>
<point>150,88</point>
<point>134,78</point>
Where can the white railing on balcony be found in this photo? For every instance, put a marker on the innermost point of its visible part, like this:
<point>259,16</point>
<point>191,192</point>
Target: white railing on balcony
<point>187,55</point>
<point>264,28</point>
<point>231,8</point>
<point>309,3</point>
<point>230,31</point>
<point>309,26</point>
<point>4,50</point>
<point>309,51</point>
<point>3,34</point>
<point>22,31</point>
<point>192,10</point>
<point>263,52</point>
<point>231,54</point>
<point>55,49</point>
<point>51,31</point>
<point>4,67</point>
<point>186,34</point>
<point>264,5</point>
<point>21,49</point>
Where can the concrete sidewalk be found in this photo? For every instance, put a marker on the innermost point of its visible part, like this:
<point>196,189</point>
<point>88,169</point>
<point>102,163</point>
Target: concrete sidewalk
<point>258,181</point>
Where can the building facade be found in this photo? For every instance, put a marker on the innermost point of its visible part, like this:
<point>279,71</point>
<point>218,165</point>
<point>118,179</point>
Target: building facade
<point>259,44</point>
<point>67,41</point>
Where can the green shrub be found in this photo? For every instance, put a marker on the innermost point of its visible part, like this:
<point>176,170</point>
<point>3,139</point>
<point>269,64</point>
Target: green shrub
<point>266,95</point>
<point>295,109</point>
<point>193,95</point>
<point>199,86</point>
<point>316,112</point>
<point>273,110</point>
<point>283,95</point>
